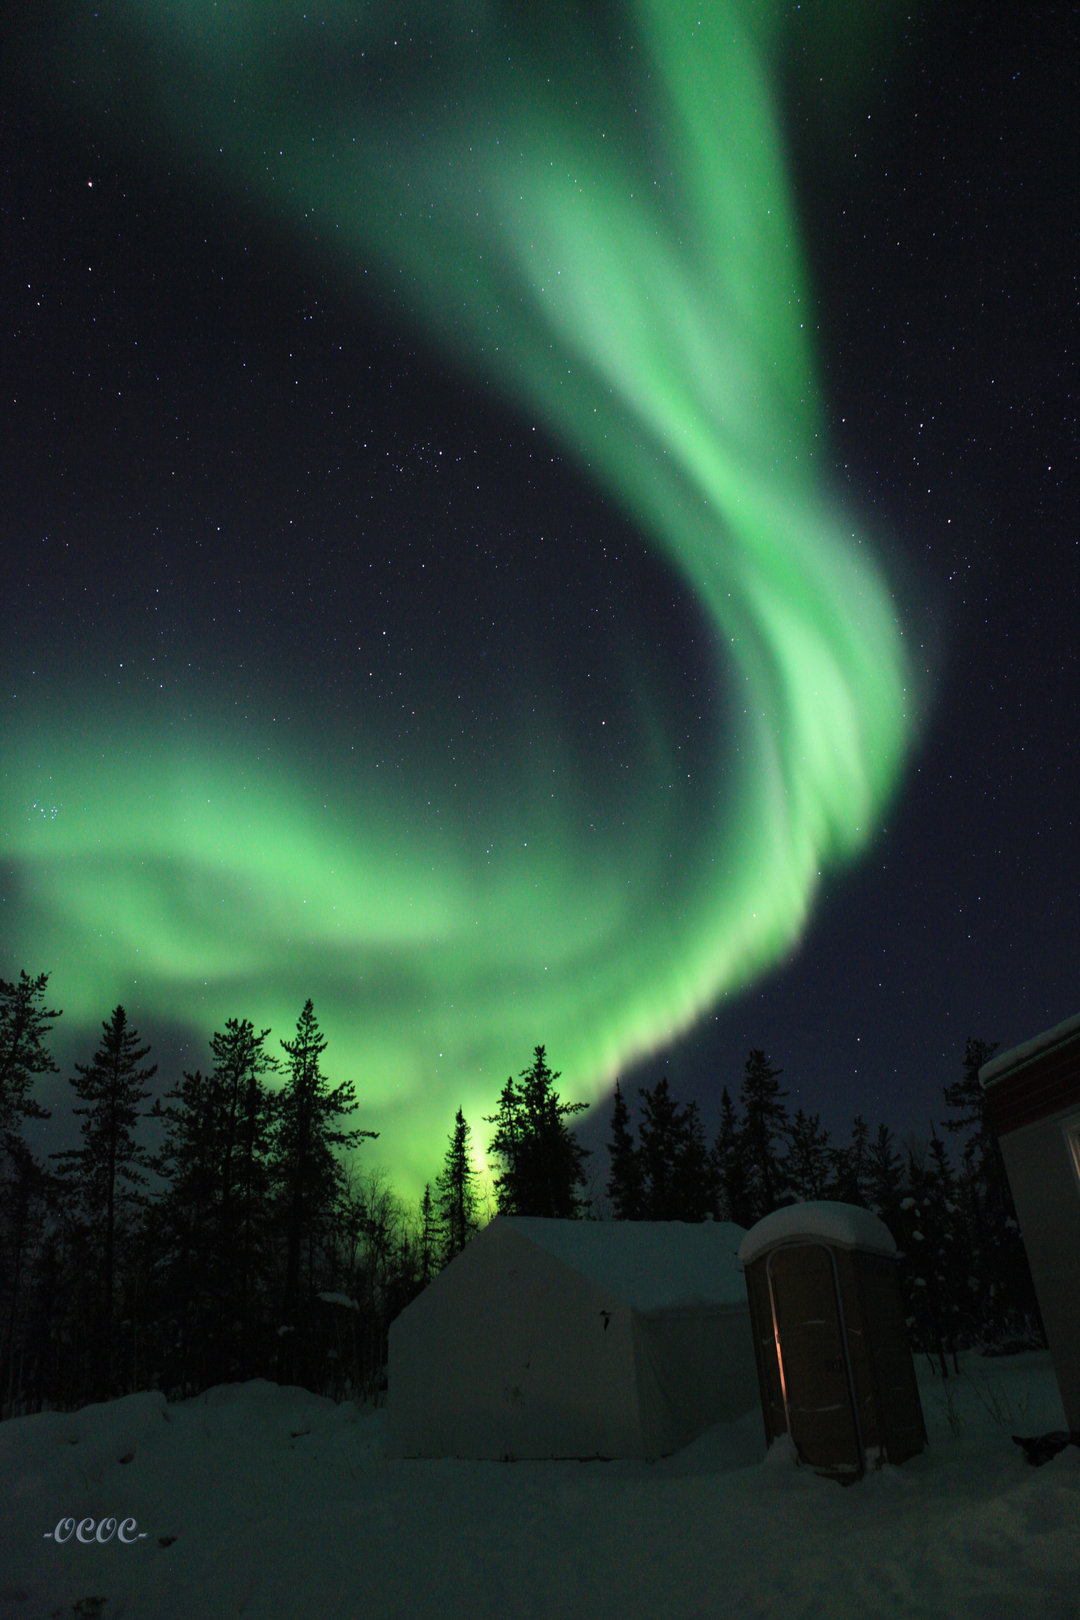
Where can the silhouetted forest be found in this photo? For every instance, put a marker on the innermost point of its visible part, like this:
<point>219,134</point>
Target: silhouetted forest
<point>271,1250</point>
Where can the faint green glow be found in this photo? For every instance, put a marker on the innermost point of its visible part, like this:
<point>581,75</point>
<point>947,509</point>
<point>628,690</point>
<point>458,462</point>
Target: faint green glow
<point>603,232</point>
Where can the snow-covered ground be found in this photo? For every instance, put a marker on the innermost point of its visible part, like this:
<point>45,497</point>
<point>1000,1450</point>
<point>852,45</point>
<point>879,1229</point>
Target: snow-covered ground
<point>263,1501</point>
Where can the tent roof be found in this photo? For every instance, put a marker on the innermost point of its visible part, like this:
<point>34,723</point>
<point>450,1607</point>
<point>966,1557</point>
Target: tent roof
<point>845,1226</point>
<point>650,1264</point>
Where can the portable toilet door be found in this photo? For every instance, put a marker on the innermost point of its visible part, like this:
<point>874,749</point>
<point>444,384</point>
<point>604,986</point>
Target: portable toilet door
<point>809,1378</point>
<point>834,1367</point>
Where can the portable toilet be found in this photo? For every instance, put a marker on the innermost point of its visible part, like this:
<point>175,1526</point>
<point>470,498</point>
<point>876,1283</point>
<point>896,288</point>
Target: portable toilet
<point>1033,1099</point>
<point>834,1366</point>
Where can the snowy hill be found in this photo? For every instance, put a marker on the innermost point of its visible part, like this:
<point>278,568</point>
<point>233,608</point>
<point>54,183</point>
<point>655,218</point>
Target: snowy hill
<point>268,1502</point>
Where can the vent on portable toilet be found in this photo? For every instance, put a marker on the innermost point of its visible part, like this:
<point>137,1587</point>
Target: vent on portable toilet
<point>834,1365</point>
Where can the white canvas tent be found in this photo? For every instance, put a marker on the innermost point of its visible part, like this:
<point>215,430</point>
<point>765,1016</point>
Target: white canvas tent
<point>553,1338</point>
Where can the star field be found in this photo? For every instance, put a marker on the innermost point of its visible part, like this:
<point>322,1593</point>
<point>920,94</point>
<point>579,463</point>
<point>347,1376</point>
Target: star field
<point>369,573</point>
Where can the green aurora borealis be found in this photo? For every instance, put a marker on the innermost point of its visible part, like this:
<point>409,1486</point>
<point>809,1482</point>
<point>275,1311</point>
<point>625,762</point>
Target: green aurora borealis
<point>600,229</point>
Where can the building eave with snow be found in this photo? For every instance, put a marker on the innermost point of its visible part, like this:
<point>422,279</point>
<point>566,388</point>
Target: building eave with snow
<point>549,1338</point>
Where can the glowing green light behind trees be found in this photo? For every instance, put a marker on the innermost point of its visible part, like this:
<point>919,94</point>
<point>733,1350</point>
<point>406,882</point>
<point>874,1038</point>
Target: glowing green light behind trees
<point>597,223</point>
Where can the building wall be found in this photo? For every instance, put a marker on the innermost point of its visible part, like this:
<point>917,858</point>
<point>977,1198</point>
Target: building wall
<point>1046,1191</point>
<point>1036,1085</point>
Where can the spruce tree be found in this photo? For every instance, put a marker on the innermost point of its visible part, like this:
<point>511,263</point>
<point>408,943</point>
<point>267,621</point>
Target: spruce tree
<point>851,1166</point>
<point>187,1228</point>
<point>431,1238</point>
<point>507,1145</point>
<point>625,1187</point>
<point>47,1364</point>
<point>215,1217</point>
<point>966,1096</point>
<point>765,1121</point>
<point>542,1162</point>
<point>808,1164</point>
<point>106,1172</point>
<point>378,1273</point>
<point>66,1304</point>
<point>885,1180</point>
<point>1007,1308</point>
<point>189,1157</point>
<point>695,1174</point>
<point>457,1202</point>
<point>241,1063</point>
<point>307,1174</point>
<point>731,1167</point>
<point>24,1192</point>
<point>663,1136</point>
<point>925,1242</point>
<point>948,1258</point>
<point>670,1176</point>
<point>242,1066</point>
<point>24,1024</point>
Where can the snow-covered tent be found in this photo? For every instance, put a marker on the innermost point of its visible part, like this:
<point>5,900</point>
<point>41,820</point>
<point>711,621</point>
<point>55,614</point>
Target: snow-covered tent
<point>550,1338</point>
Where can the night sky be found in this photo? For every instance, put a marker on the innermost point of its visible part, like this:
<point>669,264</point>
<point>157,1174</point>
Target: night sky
<point>669,660</point>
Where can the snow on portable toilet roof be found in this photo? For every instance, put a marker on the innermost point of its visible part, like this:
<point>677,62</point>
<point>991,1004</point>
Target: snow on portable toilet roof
<point>846,1226</point>
<point>651,1264</point>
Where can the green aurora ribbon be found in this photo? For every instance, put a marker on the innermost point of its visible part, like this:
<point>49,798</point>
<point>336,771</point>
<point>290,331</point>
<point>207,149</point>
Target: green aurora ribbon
<point>598,225</point>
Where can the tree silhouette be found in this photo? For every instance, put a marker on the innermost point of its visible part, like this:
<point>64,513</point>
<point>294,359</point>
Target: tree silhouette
<point>929,1251</point>
<point>765,1120</point>
<point>662,1135</point>
<point>543,1164</point>
<point>851,1166</point>
<point>676,1166</point>
<point>307,1175</point>
<point>24,1190</point>
<point>186,1224</point>
<point>731,1167</point>
<point>106,1172</point>
<point>808,1164</point>
<point>456,1201</point>
<point>1006,1292</point>
<point>214,1217</point>
<point>241,1062</point>
<point>24,1024</point>
<point>626,1182</point>
<point>431,1238</point>
<point>885,1180</point>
